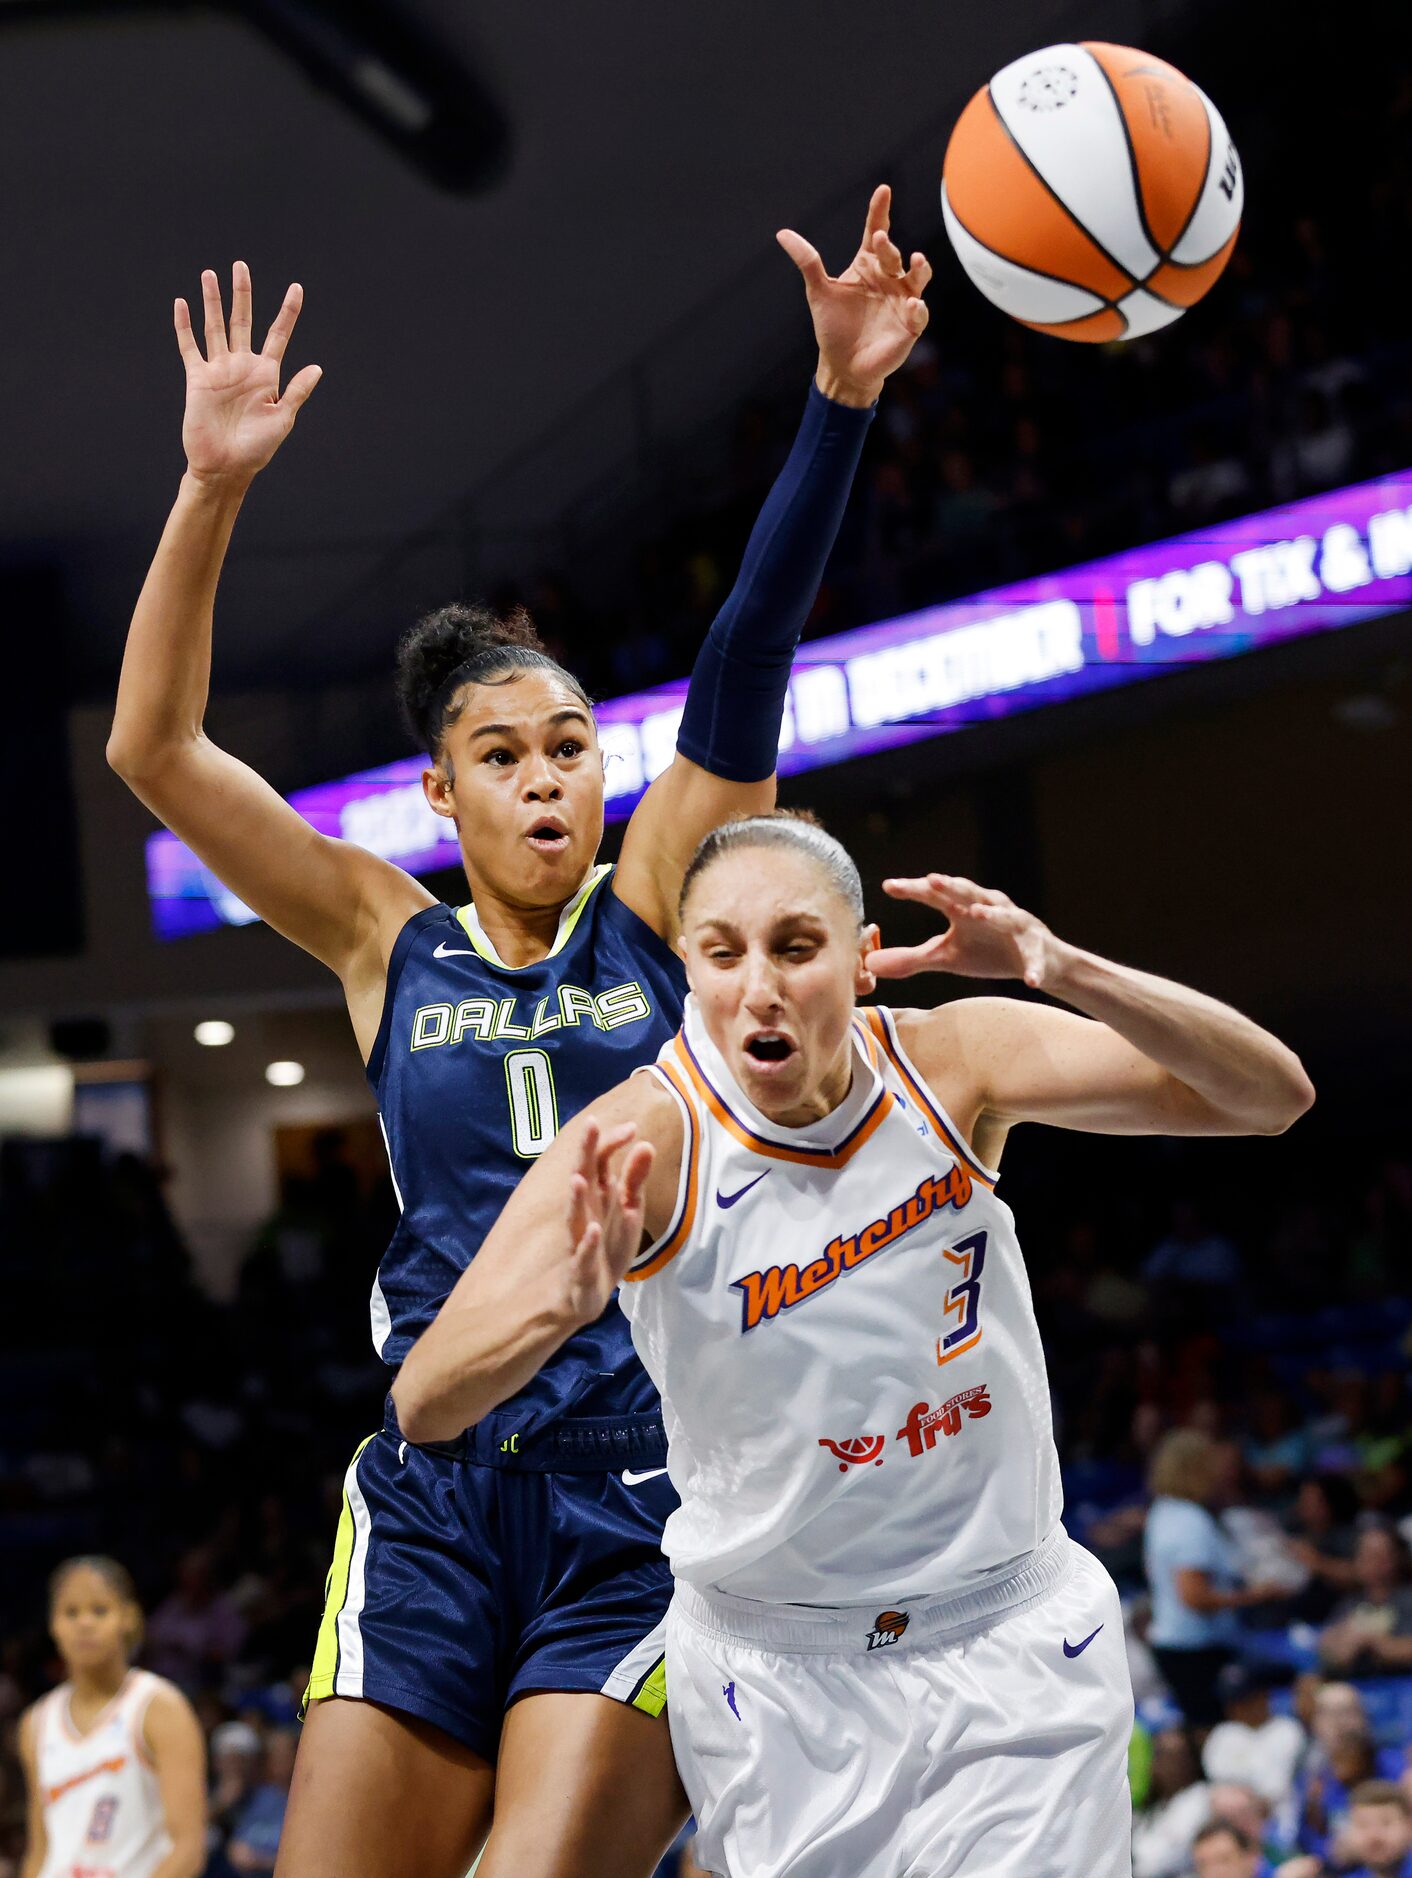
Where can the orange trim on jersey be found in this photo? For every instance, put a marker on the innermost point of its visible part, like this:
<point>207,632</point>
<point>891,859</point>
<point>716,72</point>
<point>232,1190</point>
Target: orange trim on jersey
<point>960,1350</point>
<point>877,1023</point>
<point>681,1229</point>
<point>113,1766</point>
<point>773,1150</point>
<point>64,1709</point>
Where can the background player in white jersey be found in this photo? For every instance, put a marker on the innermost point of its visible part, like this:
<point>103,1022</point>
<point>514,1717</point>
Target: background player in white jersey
<point>114,1759</point>
<point>884,1653</point>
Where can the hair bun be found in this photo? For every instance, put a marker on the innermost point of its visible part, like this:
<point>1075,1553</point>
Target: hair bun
<point>432,650</point>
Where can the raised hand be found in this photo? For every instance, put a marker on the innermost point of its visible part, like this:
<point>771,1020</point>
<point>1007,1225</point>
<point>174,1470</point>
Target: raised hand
<point>870,317</point>
<point>605,1215</point>
<point>235,417</point>
<point>988,936</point>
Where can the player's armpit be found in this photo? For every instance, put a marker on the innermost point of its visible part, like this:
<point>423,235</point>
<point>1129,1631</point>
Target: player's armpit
<point>678,811</point>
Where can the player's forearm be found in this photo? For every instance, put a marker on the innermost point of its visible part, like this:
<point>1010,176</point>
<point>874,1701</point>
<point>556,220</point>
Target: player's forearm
<point>731,723</point>
<point>1248,1076</point>
<point>495,1332</point>
<point>167,662</point>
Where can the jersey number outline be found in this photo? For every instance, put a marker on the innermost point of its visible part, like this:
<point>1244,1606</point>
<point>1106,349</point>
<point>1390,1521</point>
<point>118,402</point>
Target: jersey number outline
<point>534,1108</point>
<point>963,1300</point>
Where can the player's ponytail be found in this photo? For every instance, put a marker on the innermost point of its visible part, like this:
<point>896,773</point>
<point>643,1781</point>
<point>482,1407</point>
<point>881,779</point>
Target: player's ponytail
<point>461,645</point>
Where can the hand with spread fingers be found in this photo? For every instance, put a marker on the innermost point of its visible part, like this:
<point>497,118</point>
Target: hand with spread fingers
<point>869,318</point>
<point>606,1209</point>
<point>235,416</point>
<point>988,936</point>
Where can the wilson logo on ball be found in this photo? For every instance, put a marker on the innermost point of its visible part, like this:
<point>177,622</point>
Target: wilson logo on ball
<point>1105,219</point>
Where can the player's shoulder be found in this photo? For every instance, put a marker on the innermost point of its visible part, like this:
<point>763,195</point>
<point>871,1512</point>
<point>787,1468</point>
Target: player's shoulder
<point>168,1717</point>
<point>959,1034</point>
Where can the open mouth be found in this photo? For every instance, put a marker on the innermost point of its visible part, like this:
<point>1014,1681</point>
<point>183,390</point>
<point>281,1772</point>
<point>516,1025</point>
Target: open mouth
<point>548,837</point>
<point>768,1047</point>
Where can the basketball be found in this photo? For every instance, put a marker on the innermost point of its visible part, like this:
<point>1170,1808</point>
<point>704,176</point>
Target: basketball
<point>1092,191</point>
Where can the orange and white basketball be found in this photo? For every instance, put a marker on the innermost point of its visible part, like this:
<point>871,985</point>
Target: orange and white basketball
<point>1092,191</point>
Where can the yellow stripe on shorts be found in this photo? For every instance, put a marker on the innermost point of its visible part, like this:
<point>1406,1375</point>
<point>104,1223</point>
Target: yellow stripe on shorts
<point>651,1698</point>
<point>325,1668</point>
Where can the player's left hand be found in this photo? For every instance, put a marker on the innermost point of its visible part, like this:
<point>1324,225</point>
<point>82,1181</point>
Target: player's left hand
<point>606,1208</point>
<point>870,317</point>
<point>988,936</point>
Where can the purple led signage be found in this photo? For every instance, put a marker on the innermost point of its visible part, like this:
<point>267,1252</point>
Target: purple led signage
<point>1308,567</point>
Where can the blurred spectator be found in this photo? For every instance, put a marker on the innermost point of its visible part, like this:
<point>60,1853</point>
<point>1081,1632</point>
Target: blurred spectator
<point>237,1754</point>
<point>1371,1631</point>
<point>196,1632</point>
<point>1192,1572</point>
<point>1252,1747</point>
<point>1276,1448</point>
<point>255,1839</point>
<point>1221,1850</point>
<point>1178,1806</point>
<point>1193,1255</point>
<point>1380,1831</point>
<point>1323,1540</point>
<point>1347,1757</point>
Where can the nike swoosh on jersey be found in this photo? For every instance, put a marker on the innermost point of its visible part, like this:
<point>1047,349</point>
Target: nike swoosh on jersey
<point>444,951</point>
<point>726,1200</point>
<point>1077,1649</point>
<point>630,1479</point>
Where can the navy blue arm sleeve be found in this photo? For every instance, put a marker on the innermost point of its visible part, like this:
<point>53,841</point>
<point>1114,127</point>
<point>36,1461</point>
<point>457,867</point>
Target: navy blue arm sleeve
<point>731,723</point>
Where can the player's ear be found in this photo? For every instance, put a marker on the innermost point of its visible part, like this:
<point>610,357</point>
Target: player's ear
<point>436,787</point>
<point>865,981</point>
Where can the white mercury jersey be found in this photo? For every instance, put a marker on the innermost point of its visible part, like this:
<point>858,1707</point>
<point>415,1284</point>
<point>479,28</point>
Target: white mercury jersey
<point>103,1814</point>
<point>840,1324</point>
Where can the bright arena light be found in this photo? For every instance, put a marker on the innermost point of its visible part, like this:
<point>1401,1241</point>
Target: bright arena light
<point>213,1032</point>
<point>284,1075</point>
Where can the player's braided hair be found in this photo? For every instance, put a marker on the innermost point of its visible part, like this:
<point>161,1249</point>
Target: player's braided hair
<point>795,829</point>
<point>460,645</point>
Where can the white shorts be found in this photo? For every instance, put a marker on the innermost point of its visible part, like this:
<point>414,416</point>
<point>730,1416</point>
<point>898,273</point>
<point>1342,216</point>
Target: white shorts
<point>984,1736</point>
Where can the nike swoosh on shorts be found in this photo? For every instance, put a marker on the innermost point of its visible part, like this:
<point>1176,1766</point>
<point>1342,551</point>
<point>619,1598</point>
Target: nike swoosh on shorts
<point>444,951</point>
<point>630,1479</point>
<point>1077,1649</point>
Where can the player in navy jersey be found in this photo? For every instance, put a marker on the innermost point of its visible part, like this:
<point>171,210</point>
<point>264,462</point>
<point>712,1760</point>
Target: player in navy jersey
<point>490,1658</point>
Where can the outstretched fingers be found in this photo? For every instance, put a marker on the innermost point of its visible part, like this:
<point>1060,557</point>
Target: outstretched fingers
<point>298,389</point>
<point>804,255</point>
<point>879,214</point>
<point>919,272</point>
<point>283,323</point>
<point>215,314</point>
<point>906,961</point>
<point>186,339</point>
<point>241,307</point>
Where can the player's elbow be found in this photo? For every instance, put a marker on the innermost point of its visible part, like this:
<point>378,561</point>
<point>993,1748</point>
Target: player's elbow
<point>423,1414</point>
<point>1292,1097</point>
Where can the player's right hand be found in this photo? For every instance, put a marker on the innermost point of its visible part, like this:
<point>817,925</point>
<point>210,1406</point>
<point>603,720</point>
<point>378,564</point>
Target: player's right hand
<point>235,417</point>
<point>606,1212</point>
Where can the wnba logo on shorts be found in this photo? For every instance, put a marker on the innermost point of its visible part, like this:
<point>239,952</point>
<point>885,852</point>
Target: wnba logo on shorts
<point>887,1628</point>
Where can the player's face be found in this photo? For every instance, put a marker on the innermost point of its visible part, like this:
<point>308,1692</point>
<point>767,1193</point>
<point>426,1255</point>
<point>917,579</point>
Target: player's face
<point>521,776</point>
<point>775,958</point>
<point>90,1624</point>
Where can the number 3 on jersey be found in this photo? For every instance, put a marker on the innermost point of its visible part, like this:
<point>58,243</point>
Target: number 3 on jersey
<point>534,1113</point>
<point>963,1300</point>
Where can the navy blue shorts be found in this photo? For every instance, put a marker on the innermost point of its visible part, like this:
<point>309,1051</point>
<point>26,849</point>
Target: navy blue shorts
<point>458,1586</point>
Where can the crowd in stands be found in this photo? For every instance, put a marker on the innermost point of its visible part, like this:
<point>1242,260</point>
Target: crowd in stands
<point>1245,1472</point>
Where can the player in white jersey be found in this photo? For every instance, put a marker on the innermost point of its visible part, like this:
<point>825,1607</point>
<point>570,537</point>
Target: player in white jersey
<point>114,1760</point>
<point>885,1656</point>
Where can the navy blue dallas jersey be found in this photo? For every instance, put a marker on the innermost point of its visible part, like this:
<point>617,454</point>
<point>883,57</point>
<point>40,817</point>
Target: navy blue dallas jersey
<point>476,1066</point>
